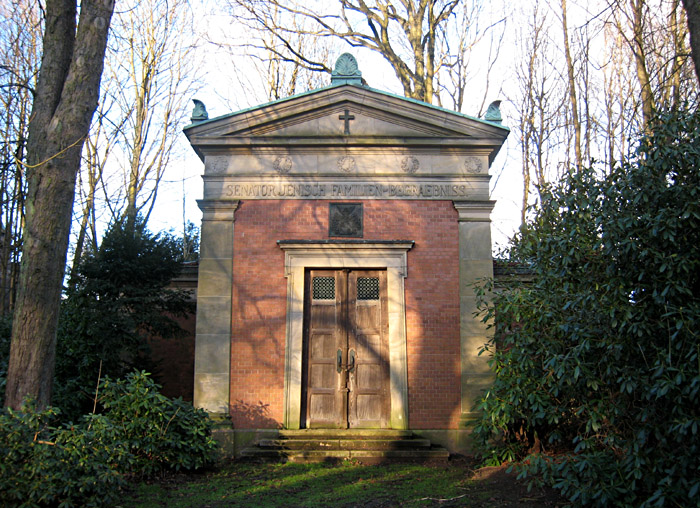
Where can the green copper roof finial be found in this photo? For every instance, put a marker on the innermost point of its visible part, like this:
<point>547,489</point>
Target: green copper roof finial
<point>493,113</point>
<point>346,71</point>
<point>199,114</point>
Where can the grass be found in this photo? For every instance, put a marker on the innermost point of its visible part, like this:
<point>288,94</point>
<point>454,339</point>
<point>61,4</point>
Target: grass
<point>346,484</point>
<point>306,485</point>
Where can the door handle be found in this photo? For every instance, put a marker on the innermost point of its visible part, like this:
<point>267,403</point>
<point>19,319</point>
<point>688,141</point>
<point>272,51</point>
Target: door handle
<point>351,361</point>
<point>350,367</point>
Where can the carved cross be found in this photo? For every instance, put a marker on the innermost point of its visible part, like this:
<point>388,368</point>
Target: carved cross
<point>347,117</point>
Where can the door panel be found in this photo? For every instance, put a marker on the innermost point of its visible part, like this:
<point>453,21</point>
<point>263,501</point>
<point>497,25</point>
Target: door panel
<point>325,401</point>
<point>346,351</point>
<point>367,336</point>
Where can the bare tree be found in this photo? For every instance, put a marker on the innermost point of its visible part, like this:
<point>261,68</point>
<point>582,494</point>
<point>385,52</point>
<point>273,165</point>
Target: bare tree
<point>405,33</point>
<point>149,77</point>
<point>619,96</point>
<point>65,100</point>
<point>20,36</point>
<point>471,28</point>
<point>151,61</point>
<point>540,100</point>
<point>639,64</point>
<point>572,87</point>
<point>278,72</point>
<point>637,21</point>
<point>677,35</point>
<point>284,78</point>
<point>656,38</point>
<point>98,146</point>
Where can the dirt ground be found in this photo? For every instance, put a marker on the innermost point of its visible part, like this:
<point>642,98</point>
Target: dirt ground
<point>494,487</point>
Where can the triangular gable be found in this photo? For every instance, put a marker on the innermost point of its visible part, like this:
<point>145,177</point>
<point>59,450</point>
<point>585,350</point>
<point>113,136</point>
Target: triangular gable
<point>319,114</point>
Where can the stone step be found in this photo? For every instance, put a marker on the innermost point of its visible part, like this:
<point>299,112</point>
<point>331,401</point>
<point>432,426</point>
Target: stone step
<point>344,444</point>
<point>365,456</point>
<point>345,434</point>
<point>364,445</point>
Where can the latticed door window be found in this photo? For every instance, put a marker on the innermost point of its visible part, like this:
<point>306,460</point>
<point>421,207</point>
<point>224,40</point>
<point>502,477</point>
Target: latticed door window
<point>368,288</point>
<point>323,288</point>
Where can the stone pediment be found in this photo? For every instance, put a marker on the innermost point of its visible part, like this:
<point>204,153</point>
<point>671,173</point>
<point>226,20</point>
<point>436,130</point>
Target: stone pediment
<point>318,118</point>
<point>345,141</point>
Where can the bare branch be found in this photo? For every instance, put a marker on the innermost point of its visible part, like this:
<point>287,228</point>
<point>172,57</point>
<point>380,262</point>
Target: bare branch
<point>404,32</point>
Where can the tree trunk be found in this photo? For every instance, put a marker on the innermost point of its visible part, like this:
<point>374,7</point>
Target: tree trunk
<point>572,88</point>
<point>94,168</point>
<point>638,49</point>
<point>692,10</point>
<point>66,98</point>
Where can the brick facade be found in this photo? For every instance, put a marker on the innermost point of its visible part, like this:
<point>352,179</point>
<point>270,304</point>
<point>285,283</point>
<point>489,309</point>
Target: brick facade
<point>260,295</point>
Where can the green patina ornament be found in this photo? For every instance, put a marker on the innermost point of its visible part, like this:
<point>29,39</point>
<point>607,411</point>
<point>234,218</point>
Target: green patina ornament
<point>199,114</point>
<point>346,71</point>
<point>493,113</point>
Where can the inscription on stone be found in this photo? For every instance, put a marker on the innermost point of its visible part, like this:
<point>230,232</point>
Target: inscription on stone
<point>345,219</point>
<point>346,190</point>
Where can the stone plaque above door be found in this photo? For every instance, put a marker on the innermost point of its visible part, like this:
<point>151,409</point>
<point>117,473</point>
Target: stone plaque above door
<point>345,220</point>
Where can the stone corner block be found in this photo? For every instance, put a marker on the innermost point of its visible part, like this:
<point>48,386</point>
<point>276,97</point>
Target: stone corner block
<point>225,438</point>
<point>211,392</point>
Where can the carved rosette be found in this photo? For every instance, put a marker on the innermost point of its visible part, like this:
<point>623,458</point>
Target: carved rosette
<point>410,164</point>
<point>216,165</point>
<point>473,165</point>
<point>282,164</point>
<point>346,164</point>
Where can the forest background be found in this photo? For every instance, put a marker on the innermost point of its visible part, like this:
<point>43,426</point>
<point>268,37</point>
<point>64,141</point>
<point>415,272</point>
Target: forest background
<point>578,81</point>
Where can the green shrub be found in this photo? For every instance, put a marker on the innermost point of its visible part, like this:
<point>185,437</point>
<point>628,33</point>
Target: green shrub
<point>597,359</point>
<point>160,433</point>
<point>45,465</point>
<point>140,432</point>
<point>117,299</point>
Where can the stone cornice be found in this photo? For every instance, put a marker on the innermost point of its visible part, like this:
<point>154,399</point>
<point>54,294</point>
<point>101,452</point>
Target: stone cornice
<point>312,120</point>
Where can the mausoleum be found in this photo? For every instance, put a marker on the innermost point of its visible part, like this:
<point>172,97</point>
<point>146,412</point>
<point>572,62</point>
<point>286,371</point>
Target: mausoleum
<point>341,231</point>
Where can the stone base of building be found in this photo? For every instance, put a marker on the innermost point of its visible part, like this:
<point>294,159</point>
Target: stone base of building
<point>456,441</point>
<point>233,441</point>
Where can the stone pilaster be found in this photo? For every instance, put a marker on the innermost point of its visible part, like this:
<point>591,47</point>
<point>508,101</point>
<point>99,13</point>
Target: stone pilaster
<point>475,262</point>
<point>212,361</point>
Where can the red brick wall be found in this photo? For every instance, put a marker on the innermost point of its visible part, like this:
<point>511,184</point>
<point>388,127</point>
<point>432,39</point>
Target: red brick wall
<point>260,293</point>
<point>174,358</point>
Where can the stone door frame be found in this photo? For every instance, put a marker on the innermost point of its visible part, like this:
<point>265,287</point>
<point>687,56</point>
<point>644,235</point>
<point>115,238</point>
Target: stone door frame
<point>389,255</point>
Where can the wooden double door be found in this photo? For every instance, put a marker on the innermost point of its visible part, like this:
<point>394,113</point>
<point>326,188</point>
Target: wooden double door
<point>346,352</point>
